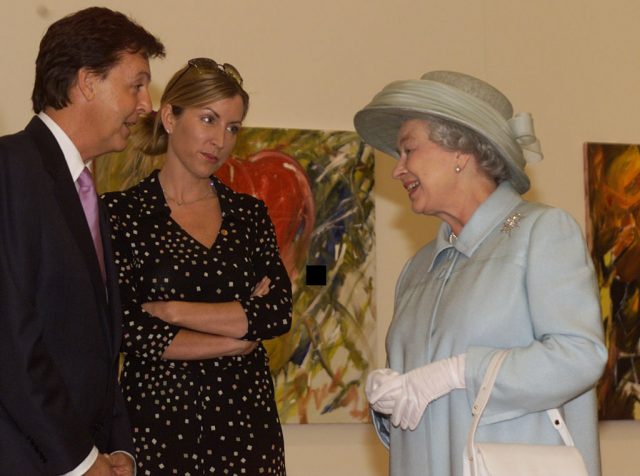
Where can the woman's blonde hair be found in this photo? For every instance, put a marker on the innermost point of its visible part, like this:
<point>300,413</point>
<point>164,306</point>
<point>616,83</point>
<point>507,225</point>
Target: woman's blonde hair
<point>191,86</point>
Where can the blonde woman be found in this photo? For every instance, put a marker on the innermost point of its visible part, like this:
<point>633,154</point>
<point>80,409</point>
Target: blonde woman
<point>202,284</point>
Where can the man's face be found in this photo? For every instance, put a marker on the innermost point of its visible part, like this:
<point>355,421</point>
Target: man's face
<point>119,99</point>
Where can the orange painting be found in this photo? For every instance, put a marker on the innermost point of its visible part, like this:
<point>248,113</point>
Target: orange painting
<point>612,174</point>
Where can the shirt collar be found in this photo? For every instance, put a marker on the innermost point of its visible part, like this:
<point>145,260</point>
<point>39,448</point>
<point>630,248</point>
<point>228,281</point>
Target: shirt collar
<point>69,150</point>
<point>490,214</point>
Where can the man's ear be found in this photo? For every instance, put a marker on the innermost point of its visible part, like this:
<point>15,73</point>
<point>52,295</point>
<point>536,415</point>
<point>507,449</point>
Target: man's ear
<point>86,83</point>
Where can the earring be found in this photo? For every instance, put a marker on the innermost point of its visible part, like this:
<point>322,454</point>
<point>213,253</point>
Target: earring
<point>458,169</point>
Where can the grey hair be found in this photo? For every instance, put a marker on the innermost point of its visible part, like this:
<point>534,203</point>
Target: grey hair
<point>458,138</point>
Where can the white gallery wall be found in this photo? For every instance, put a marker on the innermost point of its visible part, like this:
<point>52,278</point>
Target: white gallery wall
<point>574,64</point>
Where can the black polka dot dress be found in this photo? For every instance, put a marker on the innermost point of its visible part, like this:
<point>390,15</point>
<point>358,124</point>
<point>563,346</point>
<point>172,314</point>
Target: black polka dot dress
<point>215,416</point>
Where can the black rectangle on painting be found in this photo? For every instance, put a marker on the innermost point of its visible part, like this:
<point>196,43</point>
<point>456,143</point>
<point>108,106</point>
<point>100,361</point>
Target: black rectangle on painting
<point>316,275</point>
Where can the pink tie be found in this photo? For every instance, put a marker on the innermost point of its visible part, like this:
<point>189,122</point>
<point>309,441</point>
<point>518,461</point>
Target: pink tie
<point>89,199</point>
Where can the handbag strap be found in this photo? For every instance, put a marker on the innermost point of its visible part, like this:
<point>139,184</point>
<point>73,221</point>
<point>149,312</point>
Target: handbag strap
<point>558,423</point>
<point>484,393</point>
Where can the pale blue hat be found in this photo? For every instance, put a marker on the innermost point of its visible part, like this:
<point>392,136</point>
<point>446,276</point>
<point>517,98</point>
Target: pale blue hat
<point>459,98</point>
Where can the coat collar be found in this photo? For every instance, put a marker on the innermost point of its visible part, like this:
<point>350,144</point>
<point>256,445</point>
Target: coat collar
<point>491,213</point>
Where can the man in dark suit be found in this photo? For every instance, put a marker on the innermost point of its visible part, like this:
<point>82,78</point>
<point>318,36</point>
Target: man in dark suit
<point>61,409</point>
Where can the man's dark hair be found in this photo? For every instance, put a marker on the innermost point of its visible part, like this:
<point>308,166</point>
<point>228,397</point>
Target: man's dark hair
<point>94,38</point>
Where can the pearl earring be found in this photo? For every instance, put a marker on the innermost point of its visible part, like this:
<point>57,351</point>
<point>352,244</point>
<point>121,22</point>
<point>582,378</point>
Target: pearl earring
<point>458,169</point>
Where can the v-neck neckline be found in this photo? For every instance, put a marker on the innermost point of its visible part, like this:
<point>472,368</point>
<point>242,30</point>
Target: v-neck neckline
<point>200,244</point>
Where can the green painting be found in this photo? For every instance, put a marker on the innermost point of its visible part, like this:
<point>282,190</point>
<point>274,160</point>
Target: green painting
<point>318,187</point>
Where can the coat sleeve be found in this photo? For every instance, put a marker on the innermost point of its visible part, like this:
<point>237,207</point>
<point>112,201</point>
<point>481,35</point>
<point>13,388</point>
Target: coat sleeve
<point>567,355</point>
<point>120,438</point>
<point>269,316</point>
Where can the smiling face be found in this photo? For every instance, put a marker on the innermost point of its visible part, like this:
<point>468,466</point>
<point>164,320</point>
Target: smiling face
<point>426,169</point>
<point>202,138</point>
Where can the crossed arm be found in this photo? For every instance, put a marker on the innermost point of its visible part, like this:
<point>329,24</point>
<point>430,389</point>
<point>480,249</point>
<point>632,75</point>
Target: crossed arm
<point>207,329</point>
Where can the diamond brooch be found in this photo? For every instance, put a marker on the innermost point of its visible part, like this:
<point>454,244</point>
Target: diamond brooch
<point>510,223</point>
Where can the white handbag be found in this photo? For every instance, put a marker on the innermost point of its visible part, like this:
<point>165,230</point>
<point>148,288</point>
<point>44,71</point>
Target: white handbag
<point>512,459</point>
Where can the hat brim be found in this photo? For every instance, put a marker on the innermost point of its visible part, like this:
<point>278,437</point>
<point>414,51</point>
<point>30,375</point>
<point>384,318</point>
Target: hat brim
<point>379,127</point>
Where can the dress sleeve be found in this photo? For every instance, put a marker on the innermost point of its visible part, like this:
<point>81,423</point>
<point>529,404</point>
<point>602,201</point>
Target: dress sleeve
<point>143,335</point>
<point>568,354</point>
<point>269,316</point>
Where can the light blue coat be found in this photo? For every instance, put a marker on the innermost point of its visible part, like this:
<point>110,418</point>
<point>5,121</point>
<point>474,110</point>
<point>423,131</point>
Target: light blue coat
<point>529,287</point>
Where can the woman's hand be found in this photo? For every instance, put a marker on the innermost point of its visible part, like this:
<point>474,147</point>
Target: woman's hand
<point>242,347</point>
<point>163,310</point>
<point>406,396</point>
<point>382,403</point>
<point>262,288</point>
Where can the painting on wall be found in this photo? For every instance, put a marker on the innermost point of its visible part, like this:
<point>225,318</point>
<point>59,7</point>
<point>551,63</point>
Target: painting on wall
<point>318,187</point>
<point>612,174</point>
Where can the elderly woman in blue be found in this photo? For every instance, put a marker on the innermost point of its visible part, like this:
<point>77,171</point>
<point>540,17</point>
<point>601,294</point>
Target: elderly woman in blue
<point>502,273</point>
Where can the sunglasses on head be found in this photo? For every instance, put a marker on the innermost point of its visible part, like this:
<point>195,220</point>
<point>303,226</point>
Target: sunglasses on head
<point>207,64</point>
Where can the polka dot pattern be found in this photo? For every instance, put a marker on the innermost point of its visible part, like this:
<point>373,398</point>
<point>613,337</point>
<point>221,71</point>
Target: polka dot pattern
<point>216,416</point>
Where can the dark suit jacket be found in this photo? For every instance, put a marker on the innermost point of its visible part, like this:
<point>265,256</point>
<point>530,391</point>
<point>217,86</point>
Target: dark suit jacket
<point>60,327</point>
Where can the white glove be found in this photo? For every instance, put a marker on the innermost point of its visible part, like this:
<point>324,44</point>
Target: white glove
<point>375,379</point>
<point>409,394</point>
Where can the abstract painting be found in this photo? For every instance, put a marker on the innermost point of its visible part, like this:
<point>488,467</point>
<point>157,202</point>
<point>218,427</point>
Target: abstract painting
<point>612,174</point>
<point>318,187</point>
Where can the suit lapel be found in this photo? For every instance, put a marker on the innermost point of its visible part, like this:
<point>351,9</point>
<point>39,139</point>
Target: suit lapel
<point>71,208</point>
